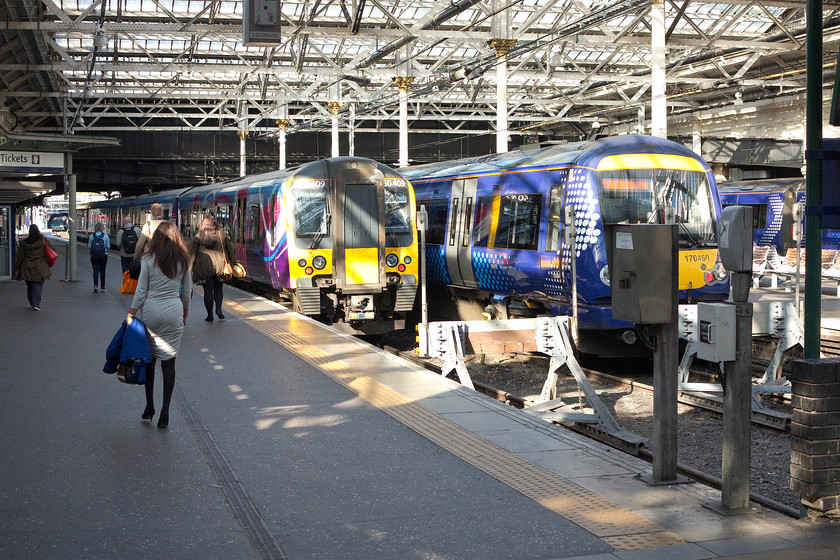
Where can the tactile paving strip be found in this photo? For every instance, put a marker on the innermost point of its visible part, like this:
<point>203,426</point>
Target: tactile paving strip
<point>620,528</point>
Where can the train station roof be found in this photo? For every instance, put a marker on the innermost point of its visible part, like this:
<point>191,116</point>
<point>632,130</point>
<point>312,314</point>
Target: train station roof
<point>573,66</point>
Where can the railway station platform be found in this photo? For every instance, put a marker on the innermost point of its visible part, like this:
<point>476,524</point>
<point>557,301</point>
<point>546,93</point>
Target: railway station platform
<point>290,440</point>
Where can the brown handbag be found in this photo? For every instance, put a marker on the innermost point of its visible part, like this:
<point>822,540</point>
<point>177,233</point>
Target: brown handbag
<point>227,271</point>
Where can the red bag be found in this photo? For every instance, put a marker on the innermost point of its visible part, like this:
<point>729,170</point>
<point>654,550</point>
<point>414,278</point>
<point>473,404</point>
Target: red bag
<point>49,254</point>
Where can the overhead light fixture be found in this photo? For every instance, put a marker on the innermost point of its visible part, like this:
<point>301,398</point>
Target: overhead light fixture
<point>467,73</point>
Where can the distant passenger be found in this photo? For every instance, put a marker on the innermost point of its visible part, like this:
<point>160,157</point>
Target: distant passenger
<point>99,243</point>
<point>31,265</point>
<point>162,300</point>
<point>208,251</point>
<point>127,238</point>
<point>149,229</point>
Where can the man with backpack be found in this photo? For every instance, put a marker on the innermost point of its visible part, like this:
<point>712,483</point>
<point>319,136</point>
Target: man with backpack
<point>99,243</point>
<point>127,238</point>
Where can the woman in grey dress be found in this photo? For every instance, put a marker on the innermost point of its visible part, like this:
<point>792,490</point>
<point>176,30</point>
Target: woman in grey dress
<point>163,299</point>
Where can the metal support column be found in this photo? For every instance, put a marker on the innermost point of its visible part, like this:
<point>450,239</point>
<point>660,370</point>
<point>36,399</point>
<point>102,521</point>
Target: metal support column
<point>281,143</point>
<point>72,225</point>
<point>666,363</point>
<point>737,404</point>
<point>813,175</point>
<point>335,107</point>
<point>658,105</point>
<point>242,156</point>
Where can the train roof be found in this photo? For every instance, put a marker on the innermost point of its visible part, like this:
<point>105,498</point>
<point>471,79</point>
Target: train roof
<point>761,185</point>
<point>577,153</point>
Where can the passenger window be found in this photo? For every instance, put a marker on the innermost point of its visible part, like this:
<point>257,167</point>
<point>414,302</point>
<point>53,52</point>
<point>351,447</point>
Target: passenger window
<point>483,221</point>
<point>436,208</point>
<point>508,222</point>
<point>254,230</point>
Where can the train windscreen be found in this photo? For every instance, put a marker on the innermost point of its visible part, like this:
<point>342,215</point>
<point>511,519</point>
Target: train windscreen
<point>399,231</point>
<point>311,217</point>
<point>639,196</point>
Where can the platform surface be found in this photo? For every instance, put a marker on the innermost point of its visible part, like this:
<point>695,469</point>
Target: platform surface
<point>290,440</point>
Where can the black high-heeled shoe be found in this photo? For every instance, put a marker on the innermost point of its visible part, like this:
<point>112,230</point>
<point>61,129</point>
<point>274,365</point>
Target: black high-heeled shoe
<point>163,421</point>
<point>148,413</point>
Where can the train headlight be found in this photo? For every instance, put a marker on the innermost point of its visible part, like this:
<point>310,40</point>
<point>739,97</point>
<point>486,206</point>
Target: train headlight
<point>302,263</point>
<point>392,260</point>
<point>319,262</point>
<point>407,259</point>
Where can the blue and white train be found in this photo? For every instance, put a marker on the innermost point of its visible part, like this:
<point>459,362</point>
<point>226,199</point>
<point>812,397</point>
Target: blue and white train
<point>496,240</point>
<point>772,202</point>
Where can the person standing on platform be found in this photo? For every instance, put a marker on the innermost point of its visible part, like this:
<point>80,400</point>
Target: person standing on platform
<point>162,300</point>
<point>149,229</point>
<point>208,251</point>
<point>127,238</point>
<point>31,265</point>
<point>98,243</point>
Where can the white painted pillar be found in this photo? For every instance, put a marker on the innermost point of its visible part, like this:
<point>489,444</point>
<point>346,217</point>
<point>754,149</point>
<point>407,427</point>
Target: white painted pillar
<point>502,135</point>
<point>658,107</point>
<point>242,158</point>
<point>281,144</point>
<point>403,161</point>
<point>352,131</point>
<point>335,136</point>
<point>696,138</point>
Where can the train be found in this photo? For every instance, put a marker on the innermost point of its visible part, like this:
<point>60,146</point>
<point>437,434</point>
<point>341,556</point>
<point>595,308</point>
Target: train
<point>496,244</point>
<point>336,236</point>
<point>58,221</point>
<point>772,201</point>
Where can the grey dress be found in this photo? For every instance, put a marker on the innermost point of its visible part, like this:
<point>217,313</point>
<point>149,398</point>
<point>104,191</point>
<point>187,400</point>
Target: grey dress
<point>160,304</point>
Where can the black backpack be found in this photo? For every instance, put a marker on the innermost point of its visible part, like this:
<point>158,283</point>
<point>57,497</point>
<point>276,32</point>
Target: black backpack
<point>129,239</point>
<point>97,248</point>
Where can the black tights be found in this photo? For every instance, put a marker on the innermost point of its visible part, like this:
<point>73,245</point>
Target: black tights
<point>213,294</point>
<point>168,367</point>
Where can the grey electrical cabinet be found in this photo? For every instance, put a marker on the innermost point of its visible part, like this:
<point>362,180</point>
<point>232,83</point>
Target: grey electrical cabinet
<point>640,259</point>
<point>716,332</point>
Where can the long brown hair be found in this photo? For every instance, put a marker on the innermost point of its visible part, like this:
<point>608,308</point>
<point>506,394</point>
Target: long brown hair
<point>168,249</point>
<point>35,234</point>
<point>208,233</point>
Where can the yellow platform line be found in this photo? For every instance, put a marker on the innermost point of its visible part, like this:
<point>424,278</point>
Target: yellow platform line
<point>620,528</point>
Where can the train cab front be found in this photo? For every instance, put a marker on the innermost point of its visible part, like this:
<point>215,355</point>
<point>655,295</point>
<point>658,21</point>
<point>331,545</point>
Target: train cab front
<point>356,248</point>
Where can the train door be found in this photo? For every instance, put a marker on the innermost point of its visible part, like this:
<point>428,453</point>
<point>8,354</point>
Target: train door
<point>7,233</point>
<point>361,234</point>
<point>255,236</point>
<point>553,257</point>
<point>459,239</point>
<point>240,236</point>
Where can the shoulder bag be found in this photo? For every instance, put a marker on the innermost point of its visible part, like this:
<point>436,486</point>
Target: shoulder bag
<point>227,271</point>
<point>50,255</point>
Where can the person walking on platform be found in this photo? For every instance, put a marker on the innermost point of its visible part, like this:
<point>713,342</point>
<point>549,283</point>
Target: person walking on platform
<point>127,238</point>
<point>99,243</point>
<point>31,265</point>
<point>149,229</point>
<point>209,251</point>
<point>162,300</point>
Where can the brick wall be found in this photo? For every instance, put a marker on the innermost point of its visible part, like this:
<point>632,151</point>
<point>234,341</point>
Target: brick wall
<point>815,435</point>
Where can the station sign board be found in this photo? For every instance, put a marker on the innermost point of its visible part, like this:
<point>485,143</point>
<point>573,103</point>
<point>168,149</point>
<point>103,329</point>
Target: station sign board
<point>31,162</point>
<point>261,23</point>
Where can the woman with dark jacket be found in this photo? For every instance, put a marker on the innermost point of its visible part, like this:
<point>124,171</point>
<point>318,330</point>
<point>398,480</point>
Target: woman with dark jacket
<point>208,251</point>
<point>31,265</point>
